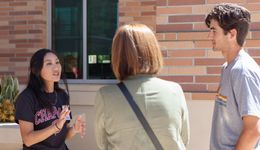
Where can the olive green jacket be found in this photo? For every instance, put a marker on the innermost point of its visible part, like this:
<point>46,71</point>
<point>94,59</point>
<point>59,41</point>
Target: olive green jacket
<point>162,103</point>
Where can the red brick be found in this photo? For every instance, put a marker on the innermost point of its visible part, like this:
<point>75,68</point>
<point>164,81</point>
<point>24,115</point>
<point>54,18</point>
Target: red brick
<point>35,40</point>
<point>6,55</point>
<point>173,27</point>
<point>18,41</point>
<point>6,27</point>
<point>23,55</point>
<point>178,62</point>
<point>137,8</point>
<point>253,1</point>
<point>186,18</point>
<point>24,46</point>
<point>173,10</point>
<point>213,70</point>
<point>252,43</point>
<point>18,32</point>
<point>176,45</point>
<point>200,26</point>
<point>18,13</point>
<point>254,52</point>
<point>6,1</point>
<point>4,33</point>
<point>224,1</point>
<point>133,14</point>
<point>187,70</point>
<point>36,12</point>
<point>185,2</point>
<point>170,36</point>
<point>6,17</point>
<point>207,79</point>
<point>17,22</point>
<point>161,2</point>
<point>121,14</point>
<point>6,73</point>
<point>36,22</point>
<point>186,53</point>
<point>255,26</point>
<point>4,13</point>
<point>209,62</point>
<point>15,59</point>
<point>13,4</point>
<point>129,4</point>
<point>149,13</point>
<point>178,79</point>
<point>255,34</point>
<point>252,7</point>
<point>203,44</point>
<point>213,87</point>
<point>4,59</point>
<point>18,45</point>
<point>144,18</point>
<point>193,36</point>
<point>19,50</point>
<point>23,27</point>
<point>194,87</point>
<point>145,3</point>
<point>35,31</point>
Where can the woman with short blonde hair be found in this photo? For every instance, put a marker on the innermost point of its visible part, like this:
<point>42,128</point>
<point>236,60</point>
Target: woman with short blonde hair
<point>135,50</point>
<point>136,59</point>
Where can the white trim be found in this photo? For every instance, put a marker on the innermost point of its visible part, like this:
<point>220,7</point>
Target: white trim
<point>91,81</point>
<point>84,39</point>
<point>8,125</point>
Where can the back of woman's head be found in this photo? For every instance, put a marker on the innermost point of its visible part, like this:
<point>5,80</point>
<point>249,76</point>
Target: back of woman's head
<point>135,50</point>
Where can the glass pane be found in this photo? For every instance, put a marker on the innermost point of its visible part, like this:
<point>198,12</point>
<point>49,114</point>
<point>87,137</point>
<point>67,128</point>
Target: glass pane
<point>101,26</point>
<point>67,36</point>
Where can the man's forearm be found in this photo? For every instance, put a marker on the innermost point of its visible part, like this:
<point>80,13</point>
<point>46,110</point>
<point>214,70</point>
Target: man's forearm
<point>247,140</point>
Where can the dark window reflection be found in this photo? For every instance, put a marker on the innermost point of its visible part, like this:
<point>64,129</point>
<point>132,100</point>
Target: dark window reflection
<point>67,36</point>
<point>102,24</point>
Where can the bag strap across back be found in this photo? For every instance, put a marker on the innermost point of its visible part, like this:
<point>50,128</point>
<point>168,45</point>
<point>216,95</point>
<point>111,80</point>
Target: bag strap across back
<point>140,116</point>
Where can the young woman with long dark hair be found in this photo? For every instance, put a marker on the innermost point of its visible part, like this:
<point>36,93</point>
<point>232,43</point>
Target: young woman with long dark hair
<point>44,125</point>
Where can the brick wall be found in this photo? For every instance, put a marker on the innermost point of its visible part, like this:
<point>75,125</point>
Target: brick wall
<point>178,24</point>
<point>143,11</point>
<point>180,29</point>
<point>23,29</point>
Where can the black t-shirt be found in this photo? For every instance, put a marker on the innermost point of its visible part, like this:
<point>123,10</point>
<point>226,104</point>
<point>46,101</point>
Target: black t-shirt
<point>28,109</point>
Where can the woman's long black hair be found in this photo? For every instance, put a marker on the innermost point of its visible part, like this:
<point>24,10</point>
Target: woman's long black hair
<point>36,82</point>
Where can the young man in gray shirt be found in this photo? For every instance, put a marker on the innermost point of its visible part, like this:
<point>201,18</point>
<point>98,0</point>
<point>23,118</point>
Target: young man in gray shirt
<point>236,118</point>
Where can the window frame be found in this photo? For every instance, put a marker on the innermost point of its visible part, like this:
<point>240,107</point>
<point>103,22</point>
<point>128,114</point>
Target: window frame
<point>49,45</point>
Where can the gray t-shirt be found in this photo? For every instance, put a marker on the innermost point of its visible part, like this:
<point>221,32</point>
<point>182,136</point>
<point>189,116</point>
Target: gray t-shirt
<point>238,96</point>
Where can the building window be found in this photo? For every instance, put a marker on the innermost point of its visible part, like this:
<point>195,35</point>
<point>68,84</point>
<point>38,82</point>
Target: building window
<point>92,23</point>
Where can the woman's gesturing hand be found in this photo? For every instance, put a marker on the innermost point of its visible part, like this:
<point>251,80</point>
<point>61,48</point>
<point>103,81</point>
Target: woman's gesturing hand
<point>80,125</point>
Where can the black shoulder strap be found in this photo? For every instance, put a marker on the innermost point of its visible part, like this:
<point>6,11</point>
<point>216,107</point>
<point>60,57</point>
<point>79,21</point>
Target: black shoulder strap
<point>140,116</point>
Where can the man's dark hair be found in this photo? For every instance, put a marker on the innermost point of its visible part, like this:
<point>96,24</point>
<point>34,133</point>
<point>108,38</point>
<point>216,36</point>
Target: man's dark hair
<point>231,16</point>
